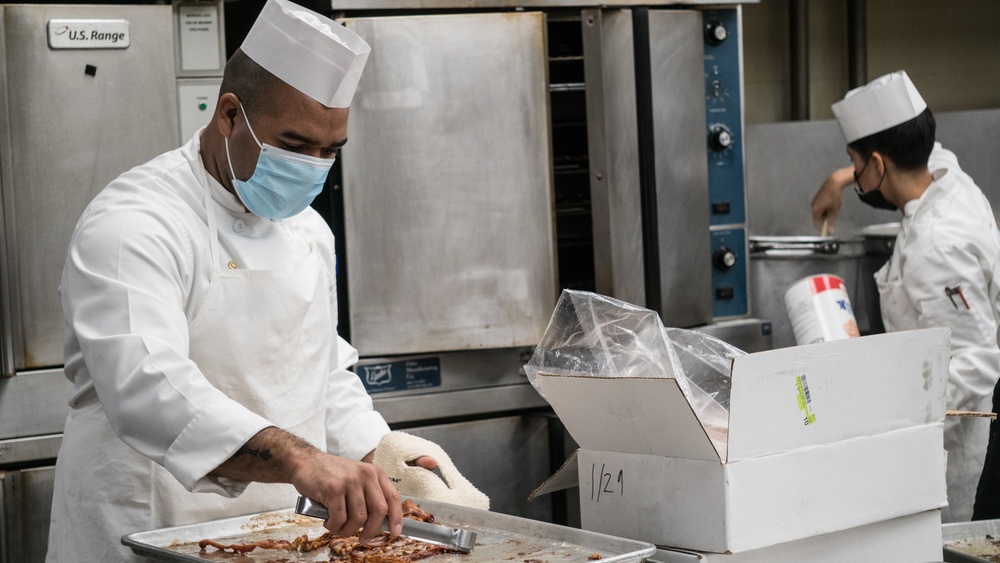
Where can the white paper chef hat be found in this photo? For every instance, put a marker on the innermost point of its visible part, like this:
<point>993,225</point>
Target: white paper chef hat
<point>310,52</point>
<point>884,102</point>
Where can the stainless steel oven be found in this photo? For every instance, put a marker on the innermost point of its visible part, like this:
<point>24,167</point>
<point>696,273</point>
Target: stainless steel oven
<point>499,153</point>
<point>86,92</point>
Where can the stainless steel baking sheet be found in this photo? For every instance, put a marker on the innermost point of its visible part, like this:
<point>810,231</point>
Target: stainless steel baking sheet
<point>967,542</point>
<point>501,537</point>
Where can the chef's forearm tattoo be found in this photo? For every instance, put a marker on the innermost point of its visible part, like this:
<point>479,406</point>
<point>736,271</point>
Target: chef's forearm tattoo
<point>245,450</point>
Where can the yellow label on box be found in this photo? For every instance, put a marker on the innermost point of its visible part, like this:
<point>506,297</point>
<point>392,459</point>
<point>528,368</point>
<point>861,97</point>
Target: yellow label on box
<point>805,400</point>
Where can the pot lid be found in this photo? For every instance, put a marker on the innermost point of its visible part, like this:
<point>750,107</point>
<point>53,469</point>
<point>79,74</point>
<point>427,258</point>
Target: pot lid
<point>805,245</point>
<point>882,230</point>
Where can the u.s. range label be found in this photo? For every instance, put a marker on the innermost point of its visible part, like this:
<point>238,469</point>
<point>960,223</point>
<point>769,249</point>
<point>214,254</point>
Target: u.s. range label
<point>89,34</point>
<point>401,376</point>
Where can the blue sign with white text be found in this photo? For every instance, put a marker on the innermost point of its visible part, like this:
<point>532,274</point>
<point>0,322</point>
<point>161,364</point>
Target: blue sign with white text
<point>403,375</point>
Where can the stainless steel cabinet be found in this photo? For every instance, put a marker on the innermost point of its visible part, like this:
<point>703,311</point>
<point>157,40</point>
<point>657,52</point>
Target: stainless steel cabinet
<point>71,119</point>
<point>677,169</point>
<point>25,498</point>
<point>506,458</point>
<point>75,111</point>
<point>31,405</point>
<point>448,185</point>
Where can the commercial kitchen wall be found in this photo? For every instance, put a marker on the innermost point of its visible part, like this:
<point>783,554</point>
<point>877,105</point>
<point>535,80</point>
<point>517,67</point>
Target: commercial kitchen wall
<point>949,51</point>
<point>786,162</point>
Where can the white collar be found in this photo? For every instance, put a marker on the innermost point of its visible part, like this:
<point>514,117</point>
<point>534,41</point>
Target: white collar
<point>225,198</point>
<point>220,194</point>
<point>910,208</point>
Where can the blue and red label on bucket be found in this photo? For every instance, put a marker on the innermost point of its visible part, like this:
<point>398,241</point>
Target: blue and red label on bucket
<point>820,310</point>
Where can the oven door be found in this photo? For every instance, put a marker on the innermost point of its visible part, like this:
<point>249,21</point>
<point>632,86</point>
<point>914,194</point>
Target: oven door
<point>447,182</point>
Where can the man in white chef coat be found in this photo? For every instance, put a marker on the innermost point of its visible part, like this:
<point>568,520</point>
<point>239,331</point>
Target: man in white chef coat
<point>200,309</point>
<point>944,268</point>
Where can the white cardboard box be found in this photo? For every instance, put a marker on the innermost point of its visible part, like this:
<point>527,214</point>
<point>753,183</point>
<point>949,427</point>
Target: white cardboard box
<point>821,438</point>
<point>907,539</point>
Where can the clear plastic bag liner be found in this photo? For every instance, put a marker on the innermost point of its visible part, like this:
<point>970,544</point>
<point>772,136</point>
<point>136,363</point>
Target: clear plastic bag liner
<point>705,361</point>
<point>594,335</point>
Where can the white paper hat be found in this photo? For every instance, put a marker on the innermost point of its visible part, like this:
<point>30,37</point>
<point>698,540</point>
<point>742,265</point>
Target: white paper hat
<point>884,102</point>
<point>310,52</point>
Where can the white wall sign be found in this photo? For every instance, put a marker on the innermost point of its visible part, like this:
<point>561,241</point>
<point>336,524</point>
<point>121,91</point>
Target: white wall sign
<point>89,34</point>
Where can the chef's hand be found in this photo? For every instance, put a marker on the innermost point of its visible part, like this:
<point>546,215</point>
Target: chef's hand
<point>427,462</point>
<point>357,494</point>
<point>828,199</point>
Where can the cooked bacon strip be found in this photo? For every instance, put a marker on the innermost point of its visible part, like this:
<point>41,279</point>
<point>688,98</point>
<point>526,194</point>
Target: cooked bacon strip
<point>301,543</point>
<point>344,546</point>
<point>312,545</point>
<point>383,548</point>
<point>414,512</point>
<point>247,547</point>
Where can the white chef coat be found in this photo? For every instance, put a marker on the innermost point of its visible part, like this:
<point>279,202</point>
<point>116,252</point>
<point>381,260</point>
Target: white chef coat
<point>949,239</point>
<point>138,271</point>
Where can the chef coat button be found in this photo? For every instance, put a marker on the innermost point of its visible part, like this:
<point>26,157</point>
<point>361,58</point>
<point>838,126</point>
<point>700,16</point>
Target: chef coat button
<point>232,265</point>
<point>238,225</point>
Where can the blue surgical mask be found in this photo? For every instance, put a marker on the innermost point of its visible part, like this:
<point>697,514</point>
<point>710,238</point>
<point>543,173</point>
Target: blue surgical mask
<point>283,182</point>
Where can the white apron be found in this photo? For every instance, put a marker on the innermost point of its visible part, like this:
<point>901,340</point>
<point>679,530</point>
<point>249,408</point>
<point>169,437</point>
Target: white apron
<point>965,439</point>
<point>263,338</point>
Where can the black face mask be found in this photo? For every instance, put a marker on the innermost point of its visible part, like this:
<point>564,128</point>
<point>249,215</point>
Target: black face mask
<point>873,198</point>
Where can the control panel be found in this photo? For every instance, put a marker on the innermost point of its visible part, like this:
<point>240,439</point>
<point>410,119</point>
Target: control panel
<point>196,98</point>
<point>199,33</point>
<point>724,146</point>
<point>729,272</point>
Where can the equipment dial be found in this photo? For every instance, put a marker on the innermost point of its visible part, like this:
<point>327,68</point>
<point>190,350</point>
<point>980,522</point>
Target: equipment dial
<point>724,258</point>
<point>715,32</point>
<point>720,138</point>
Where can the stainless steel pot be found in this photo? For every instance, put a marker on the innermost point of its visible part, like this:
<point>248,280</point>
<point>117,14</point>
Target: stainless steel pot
<point>879,240</point>
<point>778,262</point>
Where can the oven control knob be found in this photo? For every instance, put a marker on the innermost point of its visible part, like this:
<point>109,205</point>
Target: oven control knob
<point>724,258</point>
<point>719,138</point>
<point>715,33</point>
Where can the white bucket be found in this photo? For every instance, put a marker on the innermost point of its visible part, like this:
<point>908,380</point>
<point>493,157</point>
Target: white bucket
<point>820,310</point>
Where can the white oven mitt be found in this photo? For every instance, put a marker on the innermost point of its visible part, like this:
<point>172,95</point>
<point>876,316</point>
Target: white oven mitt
<point>397,448</point>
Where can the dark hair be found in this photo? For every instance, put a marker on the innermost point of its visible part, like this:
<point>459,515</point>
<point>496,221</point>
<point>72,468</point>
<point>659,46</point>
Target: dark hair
<point>908,145</point>
<point>253,85</point>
